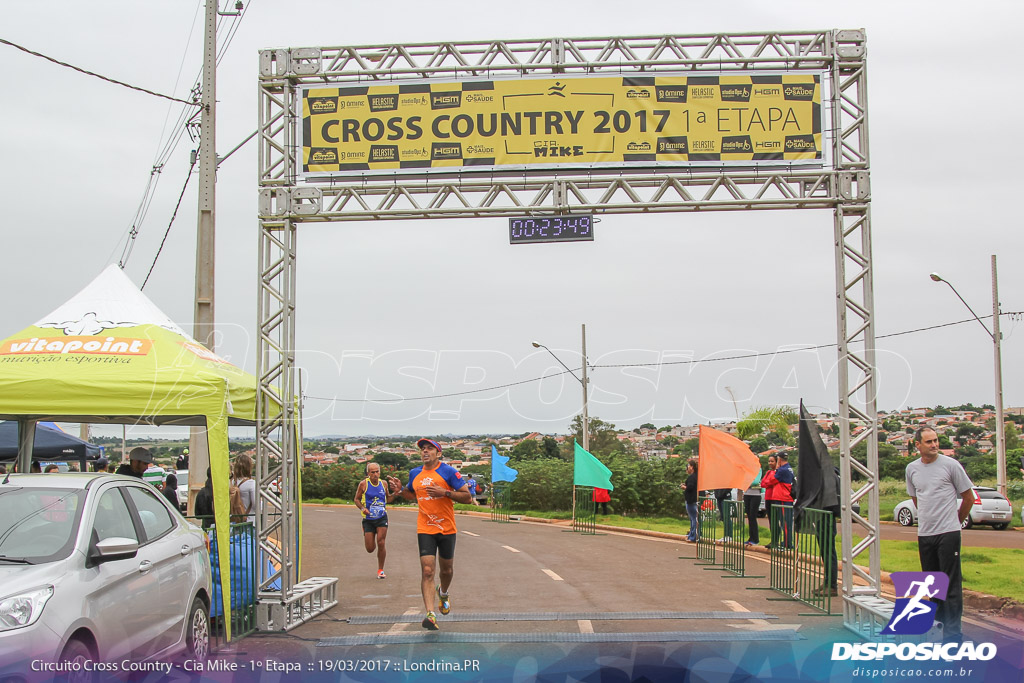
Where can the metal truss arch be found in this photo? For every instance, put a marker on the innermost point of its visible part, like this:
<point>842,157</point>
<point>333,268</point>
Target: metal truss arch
<point>841,184</point>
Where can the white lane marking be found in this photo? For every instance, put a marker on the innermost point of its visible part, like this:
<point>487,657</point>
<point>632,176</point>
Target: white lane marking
<point>585,625</point>
<point>510,548</point>
<point>554,576</point>
<point>402,625</point>
<point>757,624</point>
<point>470,533</point>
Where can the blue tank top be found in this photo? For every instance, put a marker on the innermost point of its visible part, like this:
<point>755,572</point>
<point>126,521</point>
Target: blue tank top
<point>374,499</point>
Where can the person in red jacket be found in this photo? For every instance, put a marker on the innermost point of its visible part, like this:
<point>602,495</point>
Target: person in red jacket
<point>779,493</point>
<point>601,497</point>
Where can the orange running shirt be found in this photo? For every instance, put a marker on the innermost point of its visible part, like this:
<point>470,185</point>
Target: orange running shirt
<point>437,515</point>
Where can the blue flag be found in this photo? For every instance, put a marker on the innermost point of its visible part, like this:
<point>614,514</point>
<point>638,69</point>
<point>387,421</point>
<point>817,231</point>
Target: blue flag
<point>500,471</point>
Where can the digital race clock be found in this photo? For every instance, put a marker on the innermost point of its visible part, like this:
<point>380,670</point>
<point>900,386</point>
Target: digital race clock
<point>562,228</point>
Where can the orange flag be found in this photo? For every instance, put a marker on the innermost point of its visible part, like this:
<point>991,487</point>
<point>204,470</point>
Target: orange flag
<point>724,462</point>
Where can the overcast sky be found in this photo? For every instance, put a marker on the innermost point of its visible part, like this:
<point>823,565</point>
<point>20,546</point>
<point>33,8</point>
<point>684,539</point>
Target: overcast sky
<point>421,308</point>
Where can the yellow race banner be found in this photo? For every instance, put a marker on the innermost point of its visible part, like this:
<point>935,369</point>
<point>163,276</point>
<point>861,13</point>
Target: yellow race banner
<point>579,121</point>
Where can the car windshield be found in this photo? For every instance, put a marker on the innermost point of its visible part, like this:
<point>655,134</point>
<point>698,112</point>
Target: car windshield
<point>38,525</point>
<point>989,495</point>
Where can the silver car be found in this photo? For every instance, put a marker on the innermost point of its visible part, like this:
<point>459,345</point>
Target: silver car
<point>990,507</point>
<point>97,570</point>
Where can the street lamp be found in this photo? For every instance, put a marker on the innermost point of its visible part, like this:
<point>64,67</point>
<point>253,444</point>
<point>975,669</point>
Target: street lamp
<point>996,337</point>
<point>586,419</point>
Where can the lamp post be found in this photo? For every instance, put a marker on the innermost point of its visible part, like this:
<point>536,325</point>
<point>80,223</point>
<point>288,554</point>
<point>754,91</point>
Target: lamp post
<point>996,336</point>
<point>586,419</point>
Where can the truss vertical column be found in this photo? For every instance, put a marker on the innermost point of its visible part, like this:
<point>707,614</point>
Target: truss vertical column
<point>285,601</point>
<point>863,609</point>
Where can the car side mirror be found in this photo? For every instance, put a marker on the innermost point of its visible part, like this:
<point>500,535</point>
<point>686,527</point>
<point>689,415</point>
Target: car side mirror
<point>114,548</point>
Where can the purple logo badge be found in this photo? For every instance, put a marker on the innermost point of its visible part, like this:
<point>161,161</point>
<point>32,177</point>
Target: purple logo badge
<point>914,613</point>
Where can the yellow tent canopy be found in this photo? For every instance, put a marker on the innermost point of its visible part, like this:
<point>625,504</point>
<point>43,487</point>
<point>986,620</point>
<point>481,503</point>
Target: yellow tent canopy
<point>108,355</point>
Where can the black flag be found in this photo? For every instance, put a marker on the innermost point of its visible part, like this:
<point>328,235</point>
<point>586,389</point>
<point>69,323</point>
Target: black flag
<point>815,470</point>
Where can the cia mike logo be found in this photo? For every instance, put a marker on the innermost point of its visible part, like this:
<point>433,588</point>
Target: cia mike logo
<point>914,613</point>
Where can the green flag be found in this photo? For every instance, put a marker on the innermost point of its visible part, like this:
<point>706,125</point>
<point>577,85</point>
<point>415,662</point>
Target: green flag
<point>589,471</point>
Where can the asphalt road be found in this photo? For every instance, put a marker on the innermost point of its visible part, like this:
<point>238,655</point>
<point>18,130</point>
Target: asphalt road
<point>575,582</point>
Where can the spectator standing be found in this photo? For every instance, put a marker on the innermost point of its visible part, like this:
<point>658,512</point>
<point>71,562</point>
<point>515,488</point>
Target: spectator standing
<point>170,489</point>
<point>690,496</point>
<point>784,494</point>
<point>246,485</point>
<point>751,504</point>
<point>769,483</point>
<point>601,497</point>
<point>51,468</point>
<point>100,465</point>
<point>724,511</point>
<point>204,502</point>
<point>139,459</point>
<point>934,482</point>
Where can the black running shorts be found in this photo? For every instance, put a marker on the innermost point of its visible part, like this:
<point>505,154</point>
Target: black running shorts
<point>440,544</point>
<point>370,526</point>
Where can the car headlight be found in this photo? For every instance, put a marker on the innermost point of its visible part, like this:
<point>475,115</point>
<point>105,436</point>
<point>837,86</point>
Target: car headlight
<point>17,611</point>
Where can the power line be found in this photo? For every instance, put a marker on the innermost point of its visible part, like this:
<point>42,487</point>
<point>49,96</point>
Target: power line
<point>184,120</point>
<point>93,73</point>
<point>168,231</point>
<point>1013,315</point>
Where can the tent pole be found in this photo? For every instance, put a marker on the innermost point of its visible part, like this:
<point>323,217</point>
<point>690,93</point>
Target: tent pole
<point>26,442</point>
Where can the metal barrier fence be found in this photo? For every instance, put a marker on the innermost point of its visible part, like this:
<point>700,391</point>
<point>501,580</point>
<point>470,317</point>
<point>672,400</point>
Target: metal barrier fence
<point>243,554</point>
<point>815,559</point>
<point>501,502</point>
<point>802,558</point>
<point>783,558</point>
<point>584,518</point>
<point>708,523</point>
<point>733,549</point>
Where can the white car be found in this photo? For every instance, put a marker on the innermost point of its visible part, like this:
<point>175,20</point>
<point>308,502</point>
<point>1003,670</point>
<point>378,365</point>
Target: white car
<point>990,507</point>
<point>98,568</point>
<point>182,476</point>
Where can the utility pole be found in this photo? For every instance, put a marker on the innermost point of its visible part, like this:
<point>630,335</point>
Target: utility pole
<point>586,415</point>
<point>997,340</point>
<point>203,328</point>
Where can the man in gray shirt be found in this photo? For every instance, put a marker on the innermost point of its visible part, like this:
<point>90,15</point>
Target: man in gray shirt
<point>934,482</point>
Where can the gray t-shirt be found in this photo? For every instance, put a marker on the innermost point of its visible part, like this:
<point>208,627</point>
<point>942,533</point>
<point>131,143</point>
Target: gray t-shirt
<point>938,487</point>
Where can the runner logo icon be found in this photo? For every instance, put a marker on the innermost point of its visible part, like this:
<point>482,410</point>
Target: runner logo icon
<point>914,613</point>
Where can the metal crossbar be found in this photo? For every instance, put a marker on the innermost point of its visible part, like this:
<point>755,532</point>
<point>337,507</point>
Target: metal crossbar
<point>504,638</point>
<point>558,616</point>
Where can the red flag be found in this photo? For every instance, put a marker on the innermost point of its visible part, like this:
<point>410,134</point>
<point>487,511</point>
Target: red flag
<point>724,462</point>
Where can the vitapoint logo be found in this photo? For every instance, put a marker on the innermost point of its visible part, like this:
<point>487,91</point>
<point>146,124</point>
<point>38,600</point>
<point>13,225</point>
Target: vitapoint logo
<point>914,614</point>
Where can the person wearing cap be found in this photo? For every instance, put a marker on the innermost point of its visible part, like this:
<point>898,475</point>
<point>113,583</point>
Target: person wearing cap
<point>100,465</point>
<point>182,462</point>
<point>435,486</point>
<point>139,459</point>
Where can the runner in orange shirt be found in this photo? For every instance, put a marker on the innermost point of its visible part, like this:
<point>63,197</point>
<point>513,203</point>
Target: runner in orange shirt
<point>434,486</point>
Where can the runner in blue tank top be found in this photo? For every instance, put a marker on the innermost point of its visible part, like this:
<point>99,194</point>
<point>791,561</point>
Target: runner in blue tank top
<point>371,498</point>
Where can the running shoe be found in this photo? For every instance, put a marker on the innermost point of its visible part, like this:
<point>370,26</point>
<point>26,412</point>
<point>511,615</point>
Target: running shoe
<point>444,603</point>
<point>430,622</point>
<point>381,574</point>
